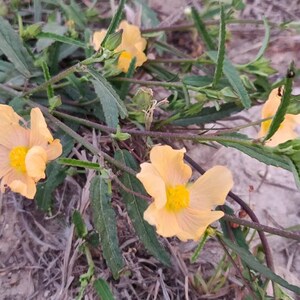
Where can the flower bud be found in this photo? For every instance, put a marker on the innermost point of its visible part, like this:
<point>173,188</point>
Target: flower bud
<point>113,40</point>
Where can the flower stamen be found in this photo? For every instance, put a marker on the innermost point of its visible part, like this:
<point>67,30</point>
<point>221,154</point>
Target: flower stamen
<point>178,198</point>
<point>17,158</point>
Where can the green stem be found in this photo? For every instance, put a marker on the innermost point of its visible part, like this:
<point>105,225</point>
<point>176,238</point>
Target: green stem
<point>156,134</point>
<point>148,82</point>
<point>54,79</point>
<point>173,60</point>
<point>188,26</point>
<point>261,227</point>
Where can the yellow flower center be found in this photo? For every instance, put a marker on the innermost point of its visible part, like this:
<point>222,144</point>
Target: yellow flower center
<point>178,198</point>
<point>17,158</point>
<point>126,56</point>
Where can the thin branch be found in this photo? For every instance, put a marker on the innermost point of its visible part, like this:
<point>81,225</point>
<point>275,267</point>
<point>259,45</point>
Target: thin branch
<point>260,227</point>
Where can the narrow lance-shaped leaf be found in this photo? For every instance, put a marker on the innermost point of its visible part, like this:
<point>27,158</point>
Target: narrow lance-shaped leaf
<point>80,227</point>
<point>110,101</point>
<point>264,45</point>
<point>12,46</point>
<point>200,26</point>
<point>221,47</point>
<point>136,206</point>
<point>78,163</point>
<point>254,264</point>
<point>233,77</point>
<point>209,115</point>
<point>61,38</point>
<point>105,223</point>
<point>103,290</point>
<point>115,21</point>
<point>261,153</point>
<point>285,101</point>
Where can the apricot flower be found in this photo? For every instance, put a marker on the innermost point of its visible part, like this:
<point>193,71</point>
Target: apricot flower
<point>180,208</point>
<point>24,152</point>
<point>286,131</point>
<point>132,45</point>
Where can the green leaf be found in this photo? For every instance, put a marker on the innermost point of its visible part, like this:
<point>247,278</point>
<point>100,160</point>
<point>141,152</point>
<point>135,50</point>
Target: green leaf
<point>61,38</point>
<point>234,78</point>
<point>291,149</point>
<point>56,175</point>
<point>254,264</point>
<point>221,48</point>
<point>282,109</point>
<point>111,103</point>
<point>115,21</point>
<point>200,26</point>
<point>105,223</point>
<point>80,227</point>
<point>78,163</point>
<point>49,29</point>
<point>264,45</point>
<point>261,153</point>
<point>13,48</point>
<point>136,207</point>
<point>209,115</point>
<point>103,290</point>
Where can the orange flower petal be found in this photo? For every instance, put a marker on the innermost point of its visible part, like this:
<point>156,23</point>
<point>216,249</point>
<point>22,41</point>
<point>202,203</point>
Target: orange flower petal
<point>153,184</point>
<point>170,166</point>
<point>165,222</point>
<point>98,37</point>
<point>131,37</point>
<point>13,136</point>
<point>25,187</point>
<point>39,133</point>
<point>8,117</point>
<point>211,188</point>
<point>35,161</point>
<point>193,223</point>
<point>19,183</point>
<point>286,130</point>
<point>54,150</point>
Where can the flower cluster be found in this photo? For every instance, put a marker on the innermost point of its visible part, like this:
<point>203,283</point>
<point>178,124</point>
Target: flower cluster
<point>286,131</point>
<point>24,152</point>
<point>181,208</point>
<point>132,45</point>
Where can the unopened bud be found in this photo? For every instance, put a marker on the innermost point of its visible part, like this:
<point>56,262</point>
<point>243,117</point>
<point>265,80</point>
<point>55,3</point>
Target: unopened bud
<point>113,40</point>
